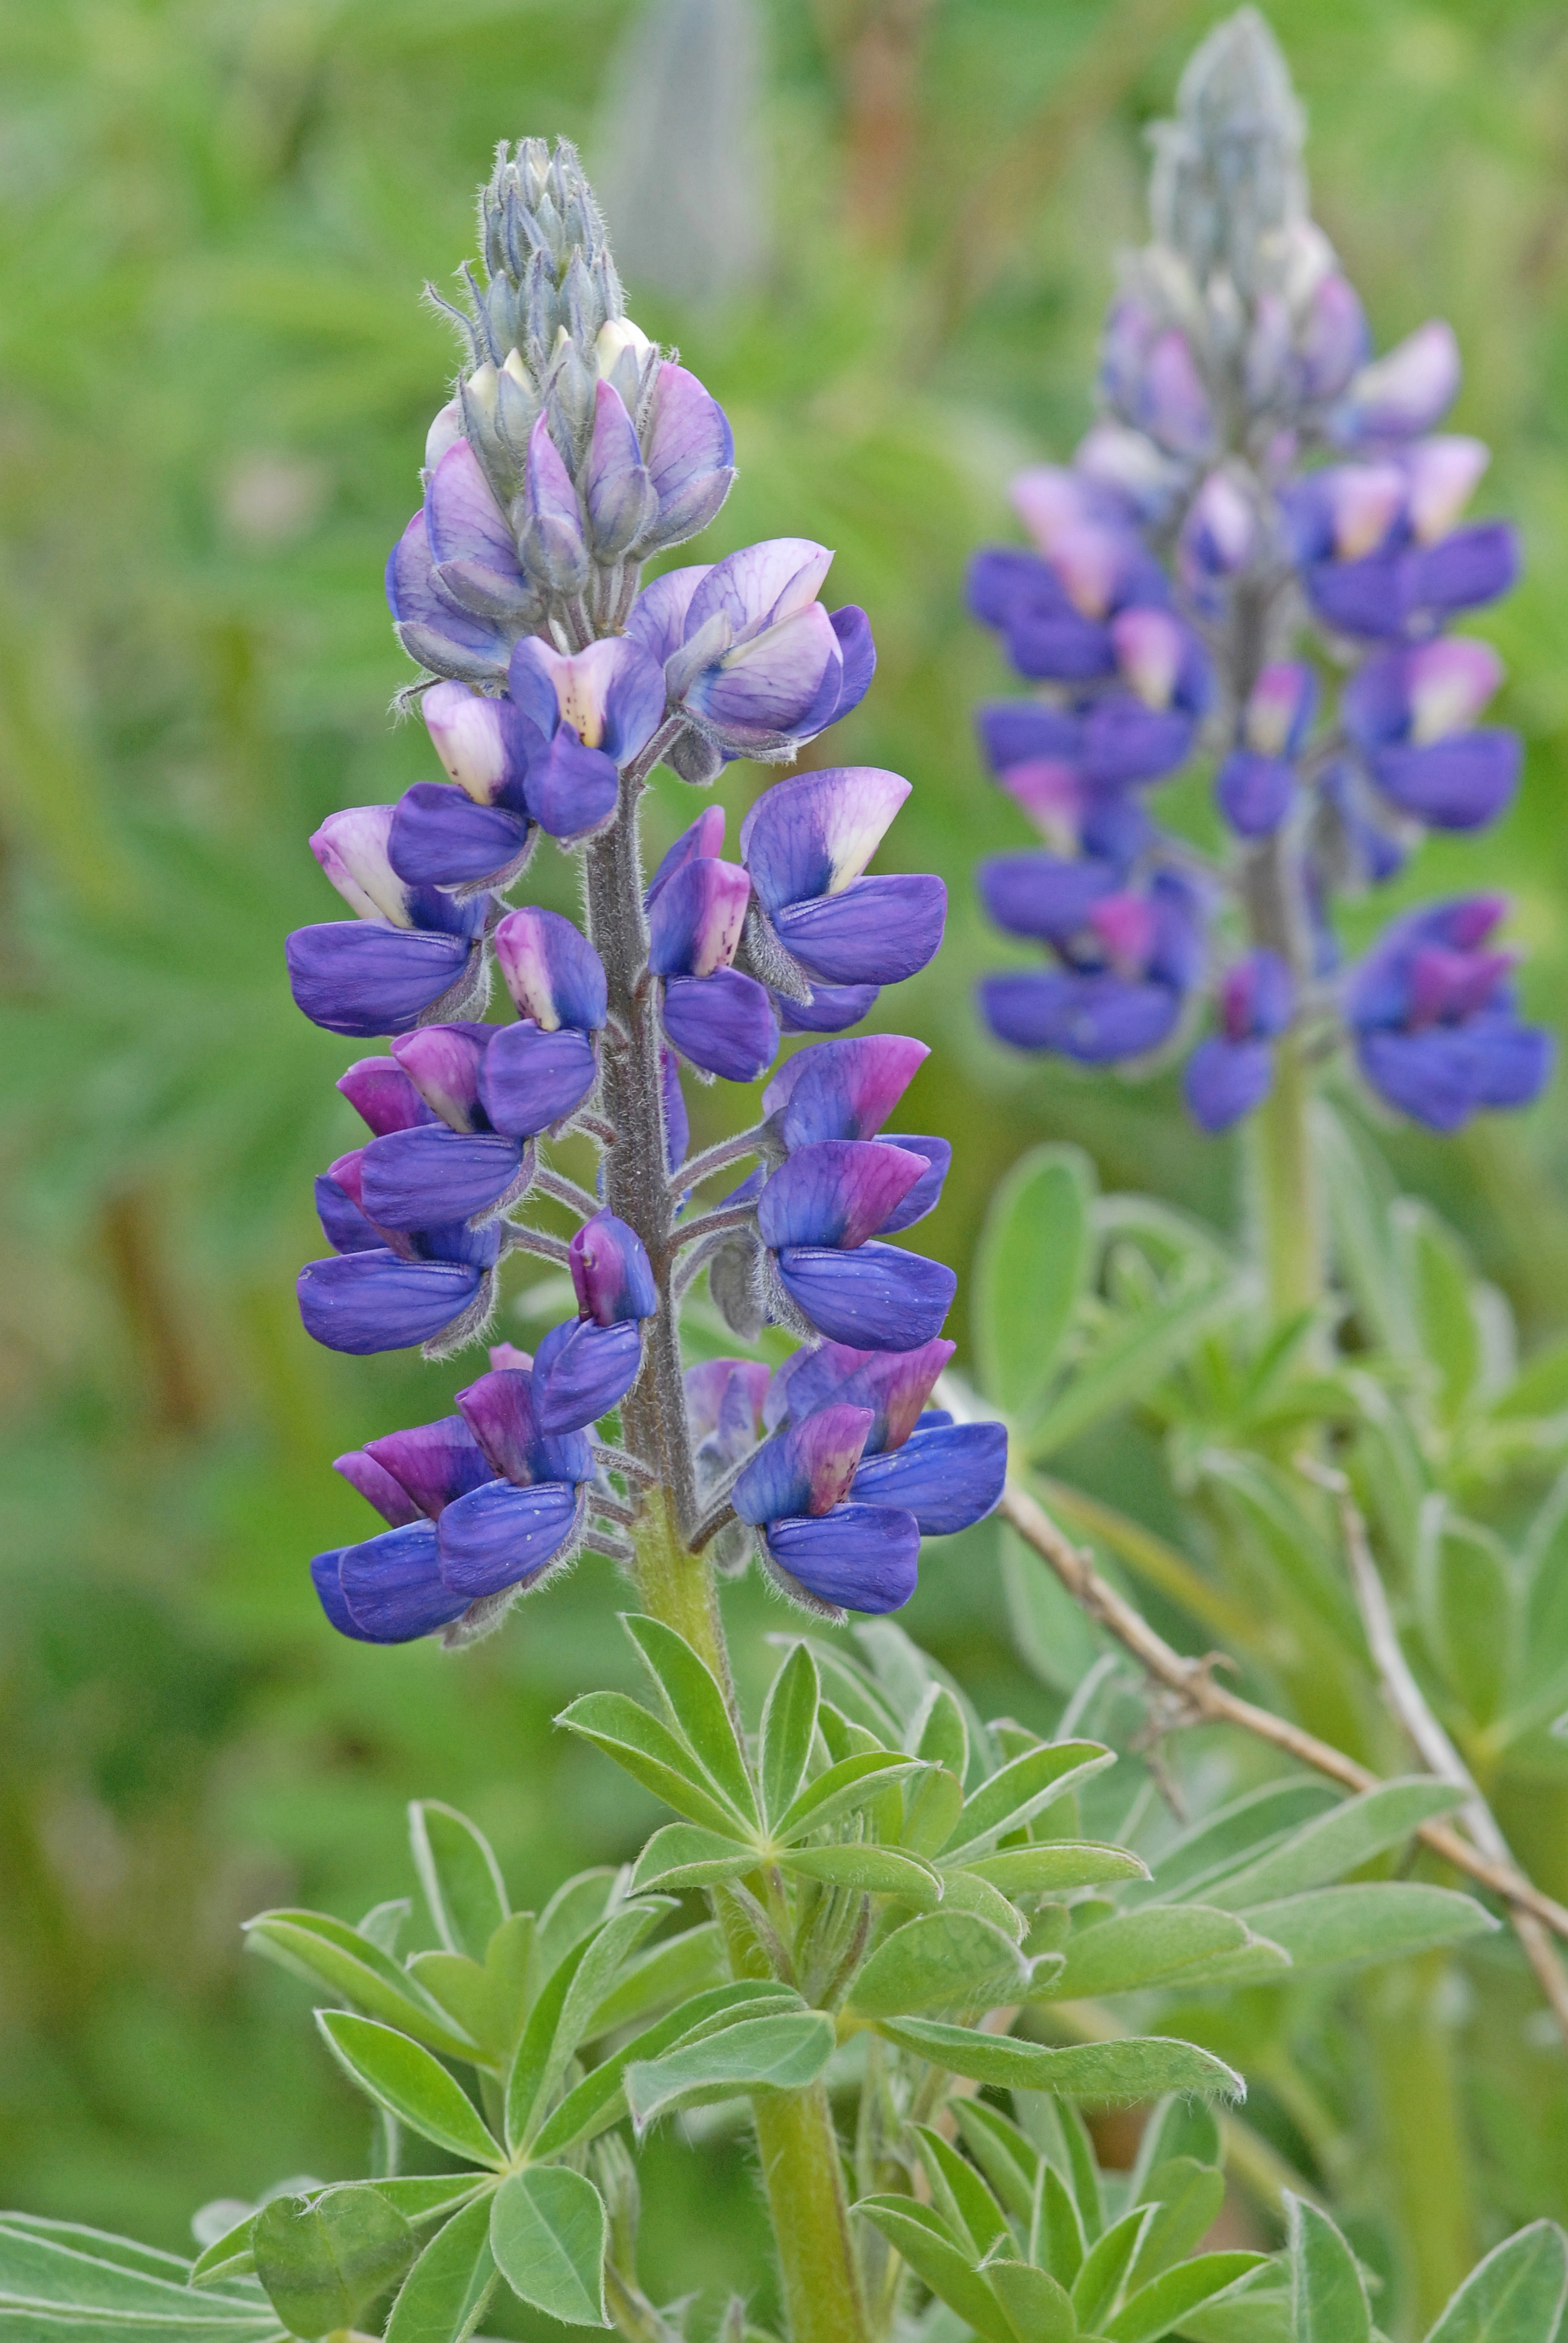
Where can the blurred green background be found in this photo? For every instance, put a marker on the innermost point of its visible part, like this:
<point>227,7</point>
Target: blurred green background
<point>217,377</point>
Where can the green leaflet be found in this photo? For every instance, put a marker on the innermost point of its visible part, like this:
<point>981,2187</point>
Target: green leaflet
<point>547,2234</point>
<point>445,2294</point>
<point>1375,1921</point>
<point>418,2198</point>
<point>846,1785</point>
<point>1038,2306</point>
<point>681,1856</point>
<point>938,1735</point>
<point>1129,1357</point>
<point>563,2011</point>
<point>75,2285</point>
<point>1156,2309</point>
<point>788,1727</point>
<point>1236,1833</point>
<point>1338,1841</point>
<point>1140,2066</point>
<point>960,2196</point>
<point>1021,1789</point>
<point>324,2259</point>
<point>873,1870</point>
<point>1106,2265</point>
<point>1135,1948</point>
<point>698,1709</point>
<point>943,1960</point>
<point>599,2100</point>
<point>1515,2296</point>
<point>780,2053</point>
<point>652,1754</point>
<point>460,1877</point>
<point>1056,1863</point>
<point>1008,2158</point>
<point>409,2083</point>
<point>919,2233</point>
<point>677,1966</point>
<point>329,1952</point>
<point>1033,1262</point>
<point>1328,2300</point>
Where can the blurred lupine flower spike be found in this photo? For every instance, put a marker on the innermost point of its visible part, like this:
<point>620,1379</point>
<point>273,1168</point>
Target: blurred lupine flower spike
<point>554,684</point>
<point>1263,513</point>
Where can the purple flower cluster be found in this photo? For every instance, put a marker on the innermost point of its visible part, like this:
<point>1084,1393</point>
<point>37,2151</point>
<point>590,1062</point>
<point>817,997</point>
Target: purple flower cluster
<point>555,684</point>
<point>1261,507</point>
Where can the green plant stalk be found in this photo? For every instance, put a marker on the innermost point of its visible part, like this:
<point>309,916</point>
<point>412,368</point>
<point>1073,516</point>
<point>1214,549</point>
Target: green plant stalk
<point>1287,1210</point>
<point>796,2139</point>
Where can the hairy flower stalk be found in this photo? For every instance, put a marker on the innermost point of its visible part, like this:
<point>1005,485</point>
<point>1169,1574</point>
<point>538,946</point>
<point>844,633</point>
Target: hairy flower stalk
<point>554,684</point>
<point>1262,518</point>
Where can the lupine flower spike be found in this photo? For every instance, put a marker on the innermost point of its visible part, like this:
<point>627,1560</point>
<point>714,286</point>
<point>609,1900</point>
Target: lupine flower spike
<point>1262,506</point>
<point>552,685</point>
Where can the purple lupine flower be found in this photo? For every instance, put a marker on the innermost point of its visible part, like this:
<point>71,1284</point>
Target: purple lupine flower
<point>837,1555</point>
<point>715,1015</point>
<point>1378,550</point>
<point>820,1215</point>
<point>1410,712</point>
<point>434,628</point>
<point>585,1367</point>
<point>846,1090</point>
<point>1397,396</point>
<point>582,717</point>
<point>507,1533</point>
<point>478,827</point>
<point>410,952</point>
<point>493,1089</point>
<point>1433,1016</point>
<point>948,1475</point>
<point>388,1589</point>
<point>433,1285</point>
<point>1130,957</point>
<point>749,656</point>
<point>1256,785</point>
<point>806,844</point>
<point>725,1399</point>
<point>1149,377</point>
<point>1232,1070</point>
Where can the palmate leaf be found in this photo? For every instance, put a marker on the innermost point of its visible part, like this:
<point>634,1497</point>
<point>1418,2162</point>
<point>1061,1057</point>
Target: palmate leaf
<point>74,2285</point>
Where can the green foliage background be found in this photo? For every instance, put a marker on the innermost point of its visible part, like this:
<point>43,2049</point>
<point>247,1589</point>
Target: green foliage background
<point>214,378</point>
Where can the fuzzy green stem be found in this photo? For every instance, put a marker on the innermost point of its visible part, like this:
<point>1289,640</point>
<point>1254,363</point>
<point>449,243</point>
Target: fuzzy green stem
<point>1287,1208</point>
<point>797,2143</point>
